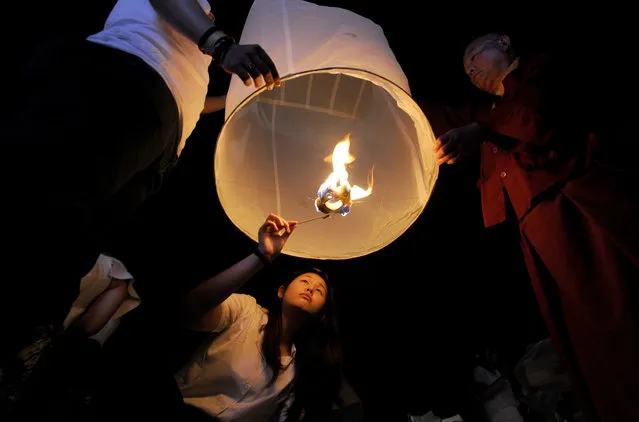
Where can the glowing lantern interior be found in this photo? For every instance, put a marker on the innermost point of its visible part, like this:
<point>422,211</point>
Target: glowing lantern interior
<point>345,98</point>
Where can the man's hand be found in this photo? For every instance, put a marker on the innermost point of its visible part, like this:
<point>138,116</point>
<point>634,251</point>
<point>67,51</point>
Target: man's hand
<point>458,143</point>
<point>251,64</point>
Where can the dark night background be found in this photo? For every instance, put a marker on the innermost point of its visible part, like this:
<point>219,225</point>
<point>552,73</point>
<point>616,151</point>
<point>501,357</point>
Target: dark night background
<point>413,314</point>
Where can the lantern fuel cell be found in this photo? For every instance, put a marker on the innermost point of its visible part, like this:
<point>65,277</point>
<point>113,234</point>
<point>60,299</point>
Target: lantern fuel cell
<point>330,201</point>
<point>345,96</point>
<point>336,195</point>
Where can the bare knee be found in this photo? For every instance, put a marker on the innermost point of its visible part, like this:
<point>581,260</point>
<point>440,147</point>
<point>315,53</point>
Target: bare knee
<point>101,310</point>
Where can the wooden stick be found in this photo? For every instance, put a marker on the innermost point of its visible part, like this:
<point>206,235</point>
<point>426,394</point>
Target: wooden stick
<point>313,219</point>
<point>323,217</point>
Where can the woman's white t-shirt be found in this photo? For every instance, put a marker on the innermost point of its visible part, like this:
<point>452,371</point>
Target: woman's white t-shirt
<point>227,377</point>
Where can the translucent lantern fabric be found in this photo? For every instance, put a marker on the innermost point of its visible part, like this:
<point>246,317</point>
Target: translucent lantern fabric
<point>339,78</point>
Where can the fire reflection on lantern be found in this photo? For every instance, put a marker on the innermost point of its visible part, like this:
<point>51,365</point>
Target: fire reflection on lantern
<point>336,195</point>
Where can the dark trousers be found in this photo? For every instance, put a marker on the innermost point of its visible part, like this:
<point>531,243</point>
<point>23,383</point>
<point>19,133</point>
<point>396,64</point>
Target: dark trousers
<point>91,138</point>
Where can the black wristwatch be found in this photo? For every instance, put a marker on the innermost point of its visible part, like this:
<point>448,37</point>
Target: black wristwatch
<point>215,43</point>
<point>221,47</point>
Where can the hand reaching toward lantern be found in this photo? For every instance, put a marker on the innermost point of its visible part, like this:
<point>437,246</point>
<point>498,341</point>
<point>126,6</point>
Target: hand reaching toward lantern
<point>198,306</point>
<point>458,143</point>
<point>273,234</point>
<point>251,64</point>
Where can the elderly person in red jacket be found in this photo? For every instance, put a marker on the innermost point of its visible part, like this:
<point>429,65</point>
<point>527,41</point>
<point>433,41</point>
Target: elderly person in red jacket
<point>539,149</point>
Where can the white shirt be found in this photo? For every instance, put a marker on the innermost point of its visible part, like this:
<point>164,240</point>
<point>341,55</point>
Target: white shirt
<point>135,27</point>
<point>227,377</point>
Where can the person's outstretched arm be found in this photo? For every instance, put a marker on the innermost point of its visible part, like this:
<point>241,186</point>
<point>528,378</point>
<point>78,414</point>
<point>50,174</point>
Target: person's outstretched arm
<point>249,62</point>
<point>213,104</point>
<point>198,307</point>
<point>187,16</point>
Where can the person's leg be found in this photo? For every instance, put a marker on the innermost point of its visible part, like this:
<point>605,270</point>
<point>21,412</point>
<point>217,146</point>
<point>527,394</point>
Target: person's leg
<point>100,311</point>
<point>136,381</point>
<point>61,381</point>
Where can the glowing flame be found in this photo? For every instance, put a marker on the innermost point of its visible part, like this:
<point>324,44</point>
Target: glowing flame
<point>336,194</point>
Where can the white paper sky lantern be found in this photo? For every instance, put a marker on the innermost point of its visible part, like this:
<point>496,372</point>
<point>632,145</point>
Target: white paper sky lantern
<point>341,136</point>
